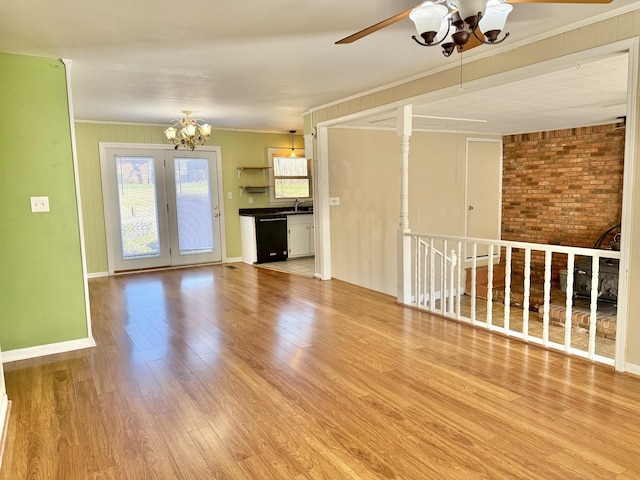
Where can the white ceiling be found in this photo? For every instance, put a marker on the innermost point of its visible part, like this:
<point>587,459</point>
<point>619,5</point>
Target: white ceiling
<point>259,65</point>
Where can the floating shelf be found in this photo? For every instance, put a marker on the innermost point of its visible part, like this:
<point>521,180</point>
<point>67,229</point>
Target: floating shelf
<point>254,188</point>
<point>240,169</point>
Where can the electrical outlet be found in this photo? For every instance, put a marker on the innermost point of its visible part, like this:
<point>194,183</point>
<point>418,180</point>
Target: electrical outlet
<point>250,200</point>
<point>39,204</point>
<point>334,200</point>
<point>230,195</point>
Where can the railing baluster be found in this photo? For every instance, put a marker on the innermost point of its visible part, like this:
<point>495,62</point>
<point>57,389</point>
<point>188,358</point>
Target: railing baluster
<point>490,287</point>
<point>527,293</point>
<point>474,264</point>
<point>568,316</point>
<point>547,298</point>
<point>432,276</point>
<point>443,279</point>
<point>507,291</point>
<point>595,275</point>
<point>417,272</point>
<point>459,267</point>
<point>452,269</point>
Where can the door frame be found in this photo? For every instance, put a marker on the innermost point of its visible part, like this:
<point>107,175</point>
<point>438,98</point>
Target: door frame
<point>103,146</point>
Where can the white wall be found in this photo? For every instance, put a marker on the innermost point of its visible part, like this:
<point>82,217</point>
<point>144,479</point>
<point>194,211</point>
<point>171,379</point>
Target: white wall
<point>364,171</point>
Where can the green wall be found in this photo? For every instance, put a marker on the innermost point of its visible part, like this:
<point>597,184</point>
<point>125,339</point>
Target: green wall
<point>41,283</point>
<point>238,149</point>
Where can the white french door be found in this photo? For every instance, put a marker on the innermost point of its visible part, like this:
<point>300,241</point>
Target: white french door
<point>162,207</point>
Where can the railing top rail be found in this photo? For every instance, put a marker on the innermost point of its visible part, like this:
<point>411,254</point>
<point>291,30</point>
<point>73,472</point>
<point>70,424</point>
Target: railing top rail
<point>592,252</point>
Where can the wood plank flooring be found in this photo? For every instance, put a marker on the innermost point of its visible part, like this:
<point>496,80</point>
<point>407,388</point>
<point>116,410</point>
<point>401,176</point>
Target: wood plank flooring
<point>247,373</point>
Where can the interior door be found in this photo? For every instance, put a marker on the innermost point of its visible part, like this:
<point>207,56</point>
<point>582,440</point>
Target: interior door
<point>194,212</point>
<point>161,207</point>
<point>484,180</point>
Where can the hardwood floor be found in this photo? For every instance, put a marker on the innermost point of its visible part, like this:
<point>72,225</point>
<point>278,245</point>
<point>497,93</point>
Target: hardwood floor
<point>247,373</point>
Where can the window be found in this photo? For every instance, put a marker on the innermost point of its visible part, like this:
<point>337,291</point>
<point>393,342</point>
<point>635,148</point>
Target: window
<point>291,176</point>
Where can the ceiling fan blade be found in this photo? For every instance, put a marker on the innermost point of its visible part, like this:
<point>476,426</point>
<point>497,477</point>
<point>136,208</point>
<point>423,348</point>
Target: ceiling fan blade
<point>559,1</point>
<point>374,28</point>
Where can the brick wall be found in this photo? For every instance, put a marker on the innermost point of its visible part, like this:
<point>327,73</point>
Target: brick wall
<point>561,187</point>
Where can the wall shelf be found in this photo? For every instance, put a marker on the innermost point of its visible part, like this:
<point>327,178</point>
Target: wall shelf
<point>253,188</point>
<point>241,169</point>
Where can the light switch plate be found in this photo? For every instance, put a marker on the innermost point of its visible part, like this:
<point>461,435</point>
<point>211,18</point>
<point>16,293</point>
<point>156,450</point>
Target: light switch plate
<point>39,204</point>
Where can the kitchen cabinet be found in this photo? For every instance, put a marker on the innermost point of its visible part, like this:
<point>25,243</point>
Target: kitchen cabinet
<point>301,236</point>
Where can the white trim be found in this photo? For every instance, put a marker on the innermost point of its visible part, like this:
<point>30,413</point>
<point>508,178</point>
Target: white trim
<point>97,274</point>
<point>631,368</point>
<point>76,180</point>
<point>233,260</point>
<point>5,405</point>
<point>142,124</point>
<point>629,175</point>
<point>49,349</point>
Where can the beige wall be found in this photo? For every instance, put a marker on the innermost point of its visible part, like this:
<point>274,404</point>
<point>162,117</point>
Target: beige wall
<point>364,171</point>
<point>238,149</point>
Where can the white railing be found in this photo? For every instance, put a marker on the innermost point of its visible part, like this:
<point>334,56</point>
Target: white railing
<point>444,280</point>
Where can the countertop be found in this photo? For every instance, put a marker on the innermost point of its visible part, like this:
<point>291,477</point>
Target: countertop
<point>275,211</point>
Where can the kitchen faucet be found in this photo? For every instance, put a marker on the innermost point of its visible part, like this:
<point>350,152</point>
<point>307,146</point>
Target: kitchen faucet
<point>298,202</point>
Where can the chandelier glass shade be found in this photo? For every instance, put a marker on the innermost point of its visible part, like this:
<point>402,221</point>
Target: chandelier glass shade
<point>188,132</point>
<point>451,23</point>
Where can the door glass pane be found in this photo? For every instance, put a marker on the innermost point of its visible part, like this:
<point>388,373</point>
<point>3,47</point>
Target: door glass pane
<point>193,202</point>
<point>138,207</point>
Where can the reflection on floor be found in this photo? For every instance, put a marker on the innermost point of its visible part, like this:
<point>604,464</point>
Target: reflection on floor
<point>301,266</point>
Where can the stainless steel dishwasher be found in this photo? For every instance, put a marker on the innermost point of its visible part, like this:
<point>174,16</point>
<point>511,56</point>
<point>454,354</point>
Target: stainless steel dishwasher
<point>271,238</point>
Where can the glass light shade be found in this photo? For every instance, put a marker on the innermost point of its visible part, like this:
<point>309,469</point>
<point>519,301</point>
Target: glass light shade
<point>170,133</point>
<point>190,130</point>
<point>429,17</point>
<point>496,16</point>
<point>205,130</point>
<point>470,8</point>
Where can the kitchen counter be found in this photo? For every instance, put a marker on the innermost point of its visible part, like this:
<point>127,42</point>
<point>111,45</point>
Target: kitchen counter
<point>276,233</point>
<point>274,211</point>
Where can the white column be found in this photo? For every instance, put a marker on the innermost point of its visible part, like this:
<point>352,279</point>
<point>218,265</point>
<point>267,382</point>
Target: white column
<point>404,243</point>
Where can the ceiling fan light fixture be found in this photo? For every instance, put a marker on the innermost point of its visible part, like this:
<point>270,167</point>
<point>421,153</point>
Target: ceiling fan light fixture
<point>494,20</point>
<point>470,11</point>
<point>431,21</point>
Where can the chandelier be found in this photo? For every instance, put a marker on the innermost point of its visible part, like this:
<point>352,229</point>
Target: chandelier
<point>187,132</point>
<point>452,23</point>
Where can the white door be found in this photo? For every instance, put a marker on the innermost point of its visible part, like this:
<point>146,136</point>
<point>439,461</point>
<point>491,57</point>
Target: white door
<point>194,212</point>
<point>161,207</point>
<point>484,179</point>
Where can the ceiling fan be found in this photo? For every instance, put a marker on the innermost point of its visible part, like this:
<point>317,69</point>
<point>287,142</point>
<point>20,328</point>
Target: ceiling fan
<point>456,24</point>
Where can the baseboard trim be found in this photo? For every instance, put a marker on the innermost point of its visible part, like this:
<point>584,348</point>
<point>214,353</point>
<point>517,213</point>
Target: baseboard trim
<point>97,274</point>
<point>631,368</point>
<point>234,260</point>
<point>49,349</point>
<point>5,409</point>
